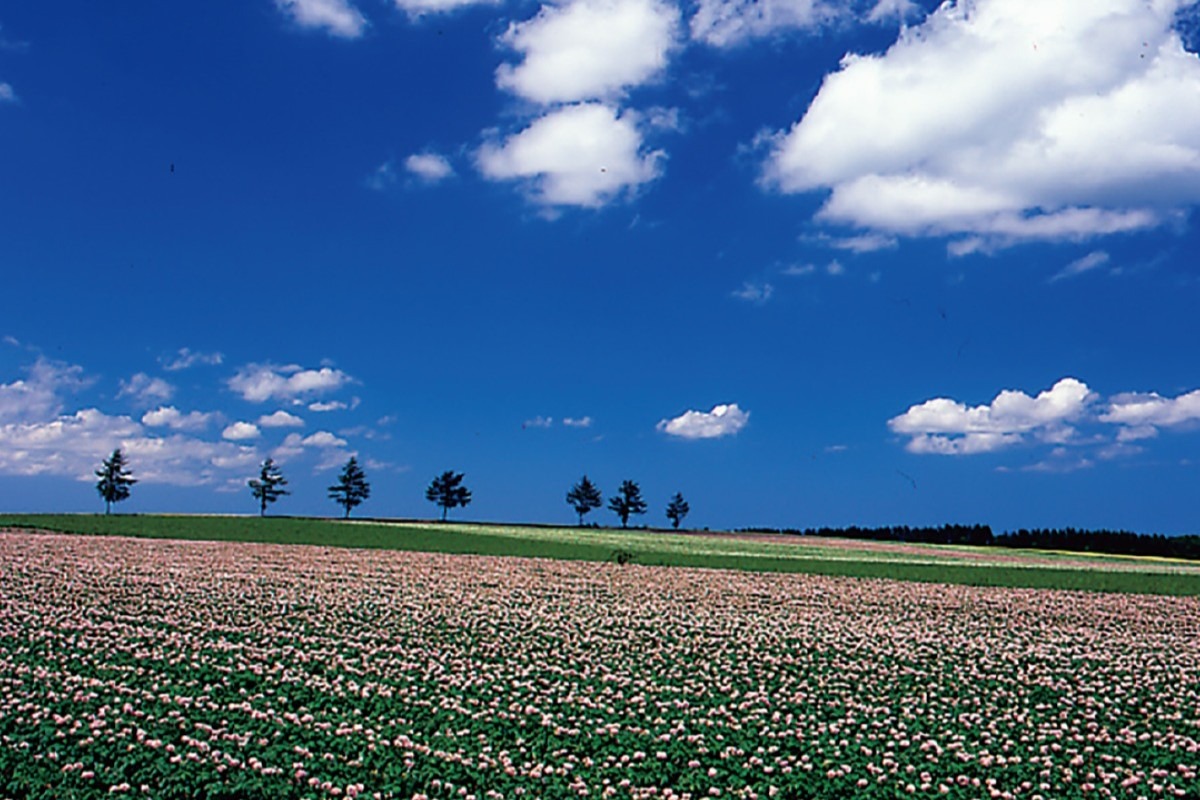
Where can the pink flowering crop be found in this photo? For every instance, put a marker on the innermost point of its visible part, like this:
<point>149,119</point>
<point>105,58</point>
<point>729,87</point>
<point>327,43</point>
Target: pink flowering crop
<point>167,669</point>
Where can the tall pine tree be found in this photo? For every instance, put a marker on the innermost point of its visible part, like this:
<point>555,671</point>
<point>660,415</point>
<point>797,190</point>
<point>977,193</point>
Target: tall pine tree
<point>267,487</point>
<point>352,487</point>
<point>115,480</point>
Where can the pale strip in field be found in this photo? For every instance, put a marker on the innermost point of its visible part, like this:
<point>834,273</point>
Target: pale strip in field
<point>781,546</point>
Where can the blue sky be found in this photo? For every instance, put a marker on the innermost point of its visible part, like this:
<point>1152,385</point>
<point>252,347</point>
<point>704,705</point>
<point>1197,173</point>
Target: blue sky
<point>806,262</point>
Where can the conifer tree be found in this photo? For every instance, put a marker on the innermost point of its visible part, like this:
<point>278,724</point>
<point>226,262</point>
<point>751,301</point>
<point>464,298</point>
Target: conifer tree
<point>677,509</point>
<point>267,487</point>
<point>115,479</point>
<point>583,497</point>
<point>628,500</point>
<point>352,487</point>
<point>448,492</point>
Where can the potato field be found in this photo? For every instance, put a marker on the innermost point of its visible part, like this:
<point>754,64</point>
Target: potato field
<point>165,669</point>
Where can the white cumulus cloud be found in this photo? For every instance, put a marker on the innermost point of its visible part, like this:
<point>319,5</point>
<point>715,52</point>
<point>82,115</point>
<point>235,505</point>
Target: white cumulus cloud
<point>323,439</point>
<point>280,419</point>
<point>261,382</point>
<point>241,431</point>
<point>589,49</point>
<point>173,418</point>
<point>73,445</point>
<point>1143,414</point>
<point>429,167</point>
<point>578,422</point>
<point>586,155</point>
<point>38,397</point>
<point>1007,121</point>
<point>948,427</point>
<point>326,443</point>
<point>723,420</point>
<point>337,17</point>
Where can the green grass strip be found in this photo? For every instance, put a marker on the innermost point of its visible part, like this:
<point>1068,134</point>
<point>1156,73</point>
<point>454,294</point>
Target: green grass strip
<point>927,564</point>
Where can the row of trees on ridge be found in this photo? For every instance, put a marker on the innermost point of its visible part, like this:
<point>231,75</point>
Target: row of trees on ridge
<point>448,492</point>
<point>585,497</point>
<point>352,489</point>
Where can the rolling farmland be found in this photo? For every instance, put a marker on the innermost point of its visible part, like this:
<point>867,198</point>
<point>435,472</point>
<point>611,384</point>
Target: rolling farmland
<point>166,668</point>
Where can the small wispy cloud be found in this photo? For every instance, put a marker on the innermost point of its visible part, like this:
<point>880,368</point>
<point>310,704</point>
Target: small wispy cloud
<point>798,270</point>
<point>538,422</point>
<point>429,167</point>
<point>581,422</point>
<point>7,93</point>
<point>863,243</point>
<point>754,292</point>
<point>146,390</point>
<point>186,358</point>
<point>1091,261</point>
<point>382,177</point>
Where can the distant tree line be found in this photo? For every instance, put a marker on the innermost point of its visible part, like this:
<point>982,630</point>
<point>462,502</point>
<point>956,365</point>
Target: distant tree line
<point>1103,541</point>
<point>1074,540</point>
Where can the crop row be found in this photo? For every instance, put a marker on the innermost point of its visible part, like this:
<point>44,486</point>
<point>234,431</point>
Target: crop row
<point>170,669</point>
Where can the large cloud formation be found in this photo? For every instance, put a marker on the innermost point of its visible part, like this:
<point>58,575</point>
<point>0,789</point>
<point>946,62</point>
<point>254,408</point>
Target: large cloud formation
<point>38,436</point>
<point>949,427</point>
<point>1002,121</point>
